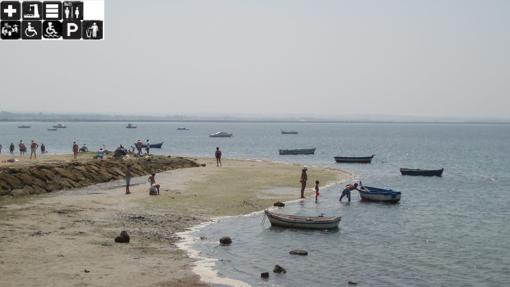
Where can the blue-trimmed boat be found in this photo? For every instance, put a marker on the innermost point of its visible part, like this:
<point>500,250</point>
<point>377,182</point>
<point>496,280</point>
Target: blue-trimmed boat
<point>368,193</point>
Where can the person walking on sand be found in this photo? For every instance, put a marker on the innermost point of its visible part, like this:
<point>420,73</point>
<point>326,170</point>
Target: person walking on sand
<point>33,149</point>
<point>76,149</point>
<point>12,148</point>
<point>127,177</point>
<point>304,178</point>
<point>154,189</point>
<point>22,148</point>
<point>347,191</point>
<point>317,193</point>
<point>148,147</point>
<point>217,154</point>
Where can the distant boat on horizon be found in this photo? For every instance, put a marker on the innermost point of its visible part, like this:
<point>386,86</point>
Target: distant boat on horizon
<point>59,126</point>
<point>130,126</point>
<point>182,129</point>
<point>52,130</point>
<point>289,132</point>
<point>221,135</point>
<point>354,159</point>
<point>23,127</point>
<point>421,172</point>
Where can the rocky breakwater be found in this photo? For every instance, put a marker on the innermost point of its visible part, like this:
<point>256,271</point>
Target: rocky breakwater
<point>54,176</point>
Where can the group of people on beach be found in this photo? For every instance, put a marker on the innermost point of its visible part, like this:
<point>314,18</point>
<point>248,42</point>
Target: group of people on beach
<point>139,146</point>
<point>34,146</point>
<point>345,193</point>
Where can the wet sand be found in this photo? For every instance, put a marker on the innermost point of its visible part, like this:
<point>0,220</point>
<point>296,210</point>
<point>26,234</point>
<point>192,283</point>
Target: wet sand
<point>67,238</point>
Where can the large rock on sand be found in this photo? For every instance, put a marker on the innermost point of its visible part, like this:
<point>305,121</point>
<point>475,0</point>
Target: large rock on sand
<point>123,238</point>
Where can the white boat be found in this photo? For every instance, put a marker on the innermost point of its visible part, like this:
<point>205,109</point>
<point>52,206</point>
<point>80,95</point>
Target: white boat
<point>306,222</point>
<point>130,126</point>
<point>221,135</point>
<point>368,193</point>
<point>59,126</point>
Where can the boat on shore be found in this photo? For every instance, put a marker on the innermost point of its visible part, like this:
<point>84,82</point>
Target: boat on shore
<point>296,151</point>
<point>303,222</point>
<point>130,126</point>
<point>289,132</point>
<point>23,127</point>
<point>368,193</point>
<point>221,135</point>
<point>59,126</point>
<point>354,159</point>
<point>156,145</point>
<point>422,172</point>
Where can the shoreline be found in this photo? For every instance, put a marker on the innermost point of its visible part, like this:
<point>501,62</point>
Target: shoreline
<point>91,217</point>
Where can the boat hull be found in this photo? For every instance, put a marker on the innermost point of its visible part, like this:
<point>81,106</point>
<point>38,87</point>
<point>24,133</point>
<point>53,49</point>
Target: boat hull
<point>156,145</point>
<point>296,151</point>
<point>380,195</point>
<point>289,133</point>
<point>302,222</point>
<point>352,159</point>
<point>221,135</point>
<point>421,172</point>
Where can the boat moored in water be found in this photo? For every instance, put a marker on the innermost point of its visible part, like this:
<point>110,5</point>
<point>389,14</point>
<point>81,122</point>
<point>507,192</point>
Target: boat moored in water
<point>354,159</point>
<point>23,127</point>
<point>221,135</point>
<point>304,151</point>
<point>52,130</point>
<point>422,172</point>
<point>289,132</point>
<point>130,126</point>
<point>156,145</point>
<point>368,193</point>
<point>59,126</point>
<point>304,222</point>
<point>182,129</point>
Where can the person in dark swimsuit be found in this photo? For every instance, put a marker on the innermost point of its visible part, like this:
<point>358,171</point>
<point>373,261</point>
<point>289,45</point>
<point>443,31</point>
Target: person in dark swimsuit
<point>217,154</point>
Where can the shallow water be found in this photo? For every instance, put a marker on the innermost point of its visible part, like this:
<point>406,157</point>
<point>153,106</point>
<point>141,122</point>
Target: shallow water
<point>449,231</point>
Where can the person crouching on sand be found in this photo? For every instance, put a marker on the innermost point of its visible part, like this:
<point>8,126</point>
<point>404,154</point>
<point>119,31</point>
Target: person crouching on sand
<point>317,193</point>
<point>154,189</point>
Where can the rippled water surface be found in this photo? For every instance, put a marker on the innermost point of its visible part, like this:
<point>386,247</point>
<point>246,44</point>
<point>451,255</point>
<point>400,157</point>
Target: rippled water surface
<point>449,231</point>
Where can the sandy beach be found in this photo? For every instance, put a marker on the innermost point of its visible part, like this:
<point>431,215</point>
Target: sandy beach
<point>67,238</point>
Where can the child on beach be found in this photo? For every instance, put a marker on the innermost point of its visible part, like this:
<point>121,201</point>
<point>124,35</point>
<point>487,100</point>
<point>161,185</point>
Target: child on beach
<point>154,189</point>
<point>317,193</point>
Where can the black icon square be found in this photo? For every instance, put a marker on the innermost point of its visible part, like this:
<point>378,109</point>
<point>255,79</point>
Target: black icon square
<point>72,10</point>
<point>10,10</point>
<point>71,29</point>
<point>52,10</point>
<point>10,30</point>
<point>52,30</point>
<point>31,30</point>
<point>92,30</point>
<point>32,10</point>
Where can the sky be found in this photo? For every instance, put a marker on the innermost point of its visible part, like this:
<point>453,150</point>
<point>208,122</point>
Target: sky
<point>429,58</point>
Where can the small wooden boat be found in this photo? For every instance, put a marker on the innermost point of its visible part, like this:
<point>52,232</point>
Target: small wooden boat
<point>52,130</point>
<point>368,193</point>
<point>354,159</point>
<point>289,132</point>
<point>296,151</point>
<point>421,172</point>
<point>307,222</point>
<point>156,145</point>
<point>182,129</point>
<point>221,135</point>
<point>23,127</point>
<point>59,126</point>
<point>130,126</point>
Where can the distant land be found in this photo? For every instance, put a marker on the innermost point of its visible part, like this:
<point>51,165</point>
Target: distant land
<point>90,117</point>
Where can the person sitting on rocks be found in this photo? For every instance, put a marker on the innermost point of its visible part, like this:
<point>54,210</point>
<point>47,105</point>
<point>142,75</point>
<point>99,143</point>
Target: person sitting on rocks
<point>100,153</point>
<point>154,189</point>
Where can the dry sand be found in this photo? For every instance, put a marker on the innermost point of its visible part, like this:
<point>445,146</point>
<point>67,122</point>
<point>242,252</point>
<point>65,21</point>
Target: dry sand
<point>66,238</point>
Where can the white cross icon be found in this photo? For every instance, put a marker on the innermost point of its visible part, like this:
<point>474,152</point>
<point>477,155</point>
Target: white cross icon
<point>10,11</point>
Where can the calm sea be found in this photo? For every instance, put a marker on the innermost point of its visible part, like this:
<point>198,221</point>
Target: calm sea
<point>449,231</point>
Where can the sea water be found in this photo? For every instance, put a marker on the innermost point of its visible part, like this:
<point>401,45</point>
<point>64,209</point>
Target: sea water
<point>448,231</point>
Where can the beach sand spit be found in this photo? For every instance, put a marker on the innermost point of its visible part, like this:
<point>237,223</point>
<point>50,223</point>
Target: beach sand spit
<point>66,238</point>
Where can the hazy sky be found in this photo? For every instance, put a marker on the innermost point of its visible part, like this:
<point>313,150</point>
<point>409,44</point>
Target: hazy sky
<point>423,58</point>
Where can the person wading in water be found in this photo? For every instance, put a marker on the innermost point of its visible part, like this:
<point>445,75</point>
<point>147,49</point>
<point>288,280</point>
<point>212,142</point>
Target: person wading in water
<point>304,178</point>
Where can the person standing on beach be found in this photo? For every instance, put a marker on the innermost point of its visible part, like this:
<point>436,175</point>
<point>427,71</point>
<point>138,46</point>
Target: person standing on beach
<point>76,149</point>
<point>317,193</point>
<point>148,147</point>
<point>138,146</point>
<point>1,148</point>
<point>43,149</point>
<point>128,176</point>
<point>33,149</point>
<point>22,148</point>
<point>12,148</point>
<point>304,178</point>
<point>217,154</point>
